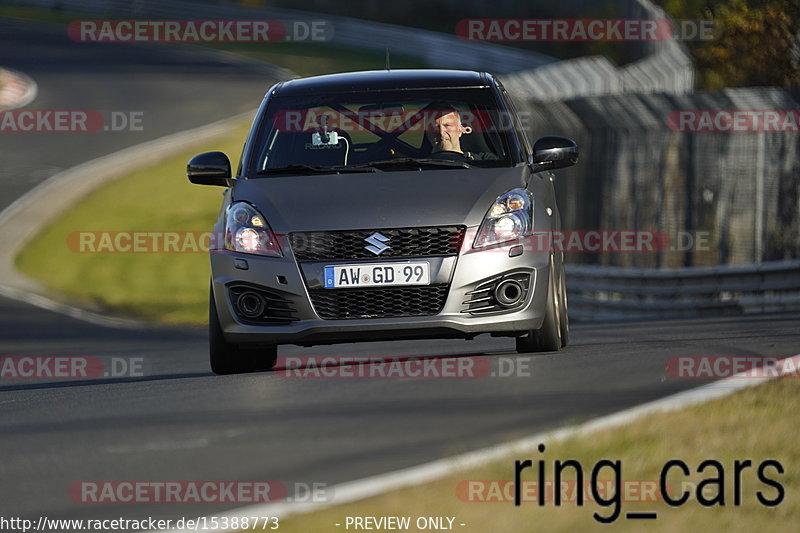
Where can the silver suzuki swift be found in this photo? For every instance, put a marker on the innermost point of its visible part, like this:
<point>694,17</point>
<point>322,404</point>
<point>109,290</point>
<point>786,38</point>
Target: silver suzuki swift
<point>400,204</point>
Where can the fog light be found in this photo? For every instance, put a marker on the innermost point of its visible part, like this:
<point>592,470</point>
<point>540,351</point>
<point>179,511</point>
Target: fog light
<point>251,304</point>
<point>508,293</point>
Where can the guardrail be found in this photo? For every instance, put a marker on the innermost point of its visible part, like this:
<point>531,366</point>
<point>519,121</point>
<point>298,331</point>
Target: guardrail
<point>610,293</point>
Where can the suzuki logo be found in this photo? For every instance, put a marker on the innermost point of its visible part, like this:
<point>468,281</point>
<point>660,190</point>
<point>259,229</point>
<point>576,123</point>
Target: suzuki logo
<point>376,241</point>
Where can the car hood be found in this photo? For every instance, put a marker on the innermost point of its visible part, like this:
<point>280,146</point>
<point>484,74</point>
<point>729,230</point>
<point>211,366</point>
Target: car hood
<point>391,199</point>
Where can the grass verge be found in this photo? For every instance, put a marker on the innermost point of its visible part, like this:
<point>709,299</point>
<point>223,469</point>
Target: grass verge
<point>752,424</point>
<point>165,287</point>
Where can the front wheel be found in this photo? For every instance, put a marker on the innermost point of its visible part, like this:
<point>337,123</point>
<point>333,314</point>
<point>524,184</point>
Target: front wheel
<point>548,337</point>
<point>229,358</point>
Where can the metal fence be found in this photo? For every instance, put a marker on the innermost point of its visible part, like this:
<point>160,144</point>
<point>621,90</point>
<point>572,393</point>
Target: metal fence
<point>664,67</point>
<point>735,195</point>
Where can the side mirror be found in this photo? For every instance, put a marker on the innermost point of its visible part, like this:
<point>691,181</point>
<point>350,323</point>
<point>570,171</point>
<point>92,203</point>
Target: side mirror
<point>550,153</point>
<point>210,168</point>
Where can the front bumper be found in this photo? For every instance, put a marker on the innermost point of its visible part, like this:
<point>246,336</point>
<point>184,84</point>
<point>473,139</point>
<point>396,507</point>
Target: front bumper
<point>290,281</point>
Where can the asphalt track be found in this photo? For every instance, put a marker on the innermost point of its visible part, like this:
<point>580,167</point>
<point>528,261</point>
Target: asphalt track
<point>181,423</point>
<point>178,422</point>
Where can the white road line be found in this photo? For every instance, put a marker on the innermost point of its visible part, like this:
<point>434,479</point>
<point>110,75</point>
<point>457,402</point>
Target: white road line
<point>43,302</point>
<point>424,473</point>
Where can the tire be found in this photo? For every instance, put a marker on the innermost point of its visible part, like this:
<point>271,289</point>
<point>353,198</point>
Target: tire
<point>562,308</point>
<point>548,337</point>
<point>228,358</point>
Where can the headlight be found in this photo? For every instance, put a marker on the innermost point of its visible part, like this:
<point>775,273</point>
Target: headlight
<point>510,217</point>
<point>247,231</point>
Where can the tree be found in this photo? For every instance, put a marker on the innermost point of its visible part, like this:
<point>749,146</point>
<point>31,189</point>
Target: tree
<point>756,42</point>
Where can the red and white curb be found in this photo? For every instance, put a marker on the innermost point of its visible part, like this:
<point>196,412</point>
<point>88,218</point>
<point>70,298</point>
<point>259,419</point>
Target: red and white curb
<point>16,89</point>
<point>416,475</point>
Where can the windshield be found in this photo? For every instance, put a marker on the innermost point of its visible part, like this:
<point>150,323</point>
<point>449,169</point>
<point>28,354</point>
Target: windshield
<point>381,131</point>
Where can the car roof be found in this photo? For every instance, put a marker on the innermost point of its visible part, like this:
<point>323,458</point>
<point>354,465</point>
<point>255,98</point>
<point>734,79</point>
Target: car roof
<point>383,80</point>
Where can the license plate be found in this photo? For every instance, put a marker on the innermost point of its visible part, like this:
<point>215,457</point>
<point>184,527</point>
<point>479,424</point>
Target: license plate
<point>377,274</point>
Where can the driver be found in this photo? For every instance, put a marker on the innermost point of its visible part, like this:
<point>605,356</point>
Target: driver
<point>446,137</point>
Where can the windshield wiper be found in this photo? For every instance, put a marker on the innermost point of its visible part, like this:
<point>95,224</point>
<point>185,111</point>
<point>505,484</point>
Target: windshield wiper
<point>410,161</point>
<point>313,169</point>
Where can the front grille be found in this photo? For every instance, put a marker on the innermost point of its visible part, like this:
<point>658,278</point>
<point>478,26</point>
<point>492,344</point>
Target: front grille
<point>403,242</point>
<point>331,304</point>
